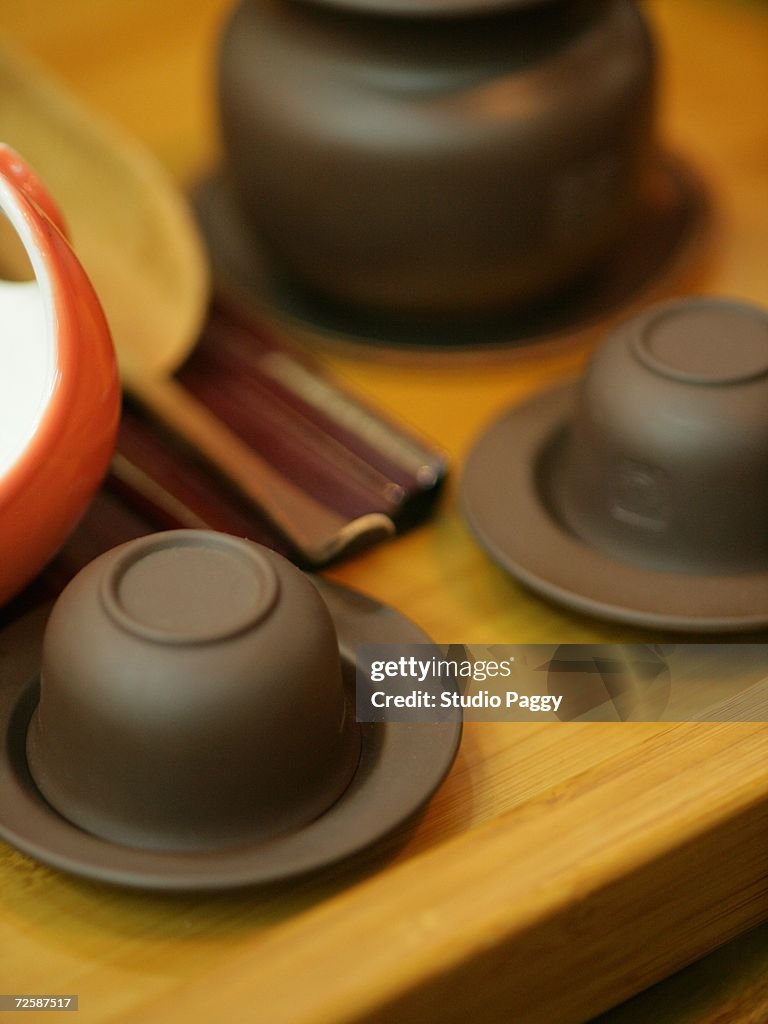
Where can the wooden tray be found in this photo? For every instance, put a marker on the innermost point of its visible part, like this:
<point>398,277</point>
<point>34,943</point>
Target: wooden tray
<point>562,867</point>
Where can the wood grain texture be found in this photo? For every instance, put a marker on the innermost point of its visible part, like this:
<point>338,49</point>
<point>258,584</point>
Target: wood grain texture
<point>561,868</point>
<point>728,987</point>
<point>502,909</point>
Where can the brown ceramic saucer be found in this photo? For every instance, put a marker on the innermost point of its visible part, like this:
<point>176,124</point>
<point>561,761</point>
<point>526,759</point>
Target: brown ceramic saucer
<point>664,238</point>
<point>401,765</point>
<point>503,493</point>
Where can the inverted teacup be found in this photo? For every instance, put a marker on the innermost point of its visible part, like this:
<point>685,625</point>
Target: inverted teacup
<point>642,493</point>
<point>191,697</point>
<point>193,725</point>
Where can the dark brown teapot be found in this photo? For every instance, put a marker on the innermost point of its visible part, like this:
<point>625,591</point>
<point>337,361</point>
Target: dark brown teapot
<point>431,165</point>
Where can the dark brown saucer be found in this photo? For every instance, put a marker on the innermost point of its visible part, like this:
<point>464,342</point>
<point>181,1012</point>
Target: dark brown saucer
<point>665,238</point>
<point>506,508</point>
<point>400,767</point>
<point>637,495</point>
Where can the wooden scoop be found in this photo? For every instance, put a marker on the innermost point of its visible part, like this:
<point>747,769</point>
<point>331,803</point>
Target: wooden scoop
<point>137,241</point>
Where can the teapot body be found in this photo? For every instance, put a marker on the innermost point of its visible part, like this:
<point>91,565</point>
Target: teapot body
<point>437,166</point>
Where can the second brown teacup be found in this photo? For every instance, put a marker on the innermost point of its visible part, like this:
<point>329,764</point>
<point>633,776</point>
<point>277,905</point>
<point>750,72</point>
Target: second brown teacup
<point>641,493</point>
<point>665,463</point>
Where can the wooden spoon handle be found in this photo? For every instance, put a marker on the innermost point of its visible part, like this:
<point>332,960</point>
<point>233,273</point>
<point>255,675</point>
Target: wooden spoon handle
<point>318,533</point>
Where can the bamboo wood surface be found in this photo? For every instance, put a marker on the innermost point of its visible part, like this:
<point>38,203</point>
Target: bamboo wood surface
<point>561,868</point>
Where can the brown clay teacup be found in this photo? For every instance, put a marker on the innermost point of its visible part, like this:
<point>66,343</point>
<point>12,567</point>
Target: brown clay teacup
<point>641,492</point>
<point>191,697</point>
<point>666,461</point>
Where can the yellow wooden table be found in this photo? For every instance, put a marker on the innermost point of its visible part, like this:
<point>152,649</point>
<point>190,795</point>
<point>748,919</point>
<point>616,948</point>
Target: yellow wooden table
<point>559,869</point>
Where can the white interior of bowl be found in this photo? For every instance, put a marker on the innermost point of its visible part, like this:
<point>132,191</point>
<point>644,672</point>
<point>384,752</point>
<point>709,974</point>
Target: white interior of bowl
<point>28,363</point>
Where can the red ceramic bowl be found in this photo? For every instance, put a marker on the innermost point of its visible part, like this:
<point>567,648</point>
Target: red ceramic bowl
<point>59,392</point>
